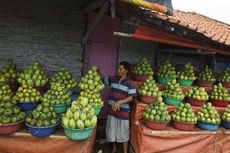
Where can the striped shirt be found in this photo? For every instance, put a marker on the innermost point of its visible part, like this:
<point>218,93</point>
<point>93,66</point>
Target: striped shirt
<point>119,91</point>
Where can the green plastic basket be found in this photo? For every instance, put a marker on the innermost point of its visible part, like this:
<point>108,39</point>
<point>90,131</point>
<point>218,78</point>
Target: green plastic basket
<point>97,110</point>
<point>163,80</point>
<point>78,134</point>
<point>60,108</point>
<point>185,82</point>
<point>172,101</point>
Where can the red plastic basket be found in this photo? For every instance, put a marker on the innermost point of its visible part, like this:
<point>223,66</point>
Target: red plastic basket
<point>219,103</point>
<point>201,83</point>
<point>226,84</point>
<point>183,126</point>
<point>41,89</point>
<point>13,87</point>
<point>195,102</point>
<point>140,78</point>
<point>10,128</point>
<point>154,125</point>
<point>147,99</point>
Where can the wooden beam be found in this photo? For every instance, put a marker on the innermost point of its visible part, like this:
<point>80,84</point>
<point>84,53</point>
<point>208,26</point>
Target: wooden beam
<point>95,22</point>
<point>113,12</point>
<point>121,34</point>
<point>93,6</point>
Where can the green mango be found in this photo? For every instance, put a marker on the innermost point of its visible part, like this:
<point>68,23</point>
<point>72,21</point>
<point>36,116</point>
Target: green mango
<point>80,124</point>
<point>72,124</point>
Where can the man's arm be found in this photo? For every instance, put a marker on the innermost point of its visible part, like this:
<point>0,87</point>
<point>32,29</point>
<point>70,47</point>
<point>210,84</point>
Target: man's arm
<point>106,80</point>
<point>117,104</point>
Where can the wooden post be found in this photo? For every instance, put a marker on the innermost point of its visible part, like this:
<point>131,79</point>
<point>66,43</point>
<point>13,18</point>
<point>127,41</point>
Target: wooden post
<point>113,12</point>
<point>97,19</point>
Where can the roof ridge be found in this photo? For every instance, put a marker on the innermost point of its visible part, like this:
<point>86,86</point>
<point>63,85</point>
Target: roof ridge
<point>196,13</point>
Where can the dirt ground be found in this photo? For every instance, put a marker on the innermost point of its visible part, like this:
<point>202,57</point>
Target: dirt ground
<point>101,145</point>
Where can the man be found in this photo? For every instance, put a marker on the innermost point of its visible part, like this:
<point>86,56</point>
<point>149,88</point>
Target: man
<point>122,93</point>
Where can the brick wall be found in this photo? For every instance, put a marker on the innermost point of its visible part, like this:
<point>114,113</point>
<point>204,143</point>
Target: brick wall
<point>31,30</point>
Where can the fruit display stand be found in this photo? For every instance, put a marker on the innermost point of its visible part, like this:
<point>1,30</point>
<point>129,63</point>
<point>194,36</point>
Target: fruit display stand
<point>145,140</point>
<point>137,84</point>
<point>23,141</point>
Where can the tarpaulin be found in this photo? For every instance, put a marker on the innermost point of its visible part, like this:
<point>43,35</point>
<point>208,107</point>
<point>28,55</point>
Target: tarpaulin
<point>145,140</point>
<point>171,140</point>
<point>23,142</point>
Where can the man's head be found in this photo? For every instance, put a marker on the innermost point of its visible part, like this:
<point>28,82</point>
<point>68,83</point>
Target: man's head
<point>123,69</point>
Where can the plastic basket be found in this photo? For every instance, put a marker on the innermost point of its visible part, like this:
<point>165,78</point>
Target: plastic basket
<point>14,86</point>
<point>97,110</point>
<point>147,99</point>
<point>172,101</point>
<point>60,108</point>
<point>41,89</point>
<point>225,124</point>
<point>74,96</point>
<point>163,80</point>
<point>27,106</point>
<point>70,91</point>
<point>219,103</point>
<point>185,82</point>
<point>140,78</point>
<point>10,128</point>
<point>207,126</point>
<point>226,84</point>
<point>195,102</point>
<point>201,83</point>
<point>154,125</point>
<point>41,131</point>
<point>183,126</point>
<point>78,134</point>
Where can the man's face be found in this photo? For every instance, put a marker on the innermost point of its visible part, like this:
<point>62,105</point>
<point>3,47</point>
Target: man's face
<point>121,71</point>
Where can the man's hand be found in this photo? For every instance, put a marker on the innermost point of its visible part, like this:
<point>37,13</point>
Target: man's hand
<point>116,106</point>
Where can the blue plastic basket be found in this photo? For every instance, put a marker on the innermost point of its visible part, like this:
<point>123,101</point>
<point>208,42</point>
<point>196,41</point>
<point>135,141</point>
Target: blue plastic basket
<point>226,124</point>
<point>74,96</point>
<point>41,131</point>
<point>70,91</point>
<point>26,106</point>
<point>208,126</point>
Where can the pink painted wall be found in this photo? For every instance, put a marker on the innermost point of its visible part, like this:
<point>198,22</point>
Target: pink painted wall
<point>102,50</point>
